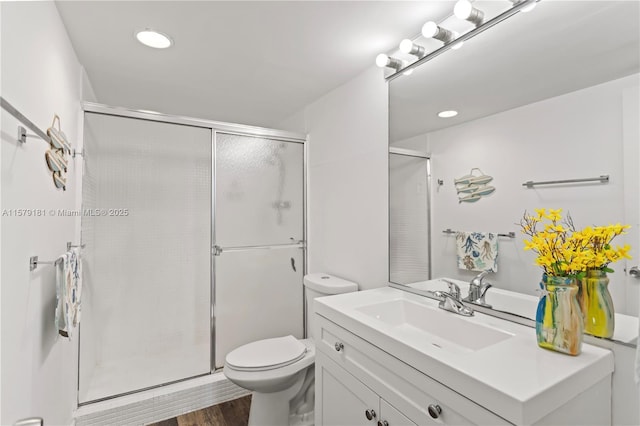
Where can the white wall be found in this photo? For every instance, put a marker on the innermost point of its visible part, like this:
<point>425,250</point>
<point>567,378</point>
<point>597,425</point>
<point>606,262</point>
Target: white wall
<point>577,135</point>
<point>40,76</point>
<point>347,169</point>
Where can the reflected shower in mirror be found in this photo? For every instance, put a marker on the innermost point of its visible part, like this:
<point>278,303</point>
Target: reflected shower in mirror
<point>547,95</point>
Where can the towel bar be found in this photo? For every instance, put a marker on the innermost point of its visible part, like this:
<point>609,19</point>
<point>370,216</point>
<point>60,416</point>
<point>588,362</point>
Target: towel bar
<point>508,235</point>
<point>70,246</point>
<point>34,262</point>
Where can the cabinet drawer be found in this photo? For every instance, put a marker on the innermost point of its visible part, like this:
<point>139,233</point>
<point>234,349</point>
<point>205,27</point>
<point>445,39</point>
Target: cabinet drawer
<point>404,387</point>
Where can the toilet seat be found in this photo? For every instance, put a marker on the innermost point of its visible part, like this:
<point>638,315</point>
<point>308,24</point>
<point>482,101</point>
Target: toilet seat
<point>267,354</point>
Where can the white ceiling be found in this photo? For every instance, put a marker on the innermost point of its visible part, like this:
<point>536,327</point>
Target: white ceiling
<point>559,47</point>
<point>236,61</point>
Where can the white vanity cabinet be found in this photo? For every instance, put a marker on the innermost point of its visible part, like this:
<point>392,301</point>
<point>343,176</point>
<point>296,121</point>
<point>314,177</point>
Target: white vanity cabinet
<point>345,400</point>
<point>359,371</point>
<point>354,377</point>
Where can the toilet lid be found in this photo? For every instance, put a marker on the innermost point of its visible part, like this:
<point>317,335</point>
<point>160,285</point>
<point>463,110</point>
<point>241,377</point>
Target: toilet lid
<point>267,354</point>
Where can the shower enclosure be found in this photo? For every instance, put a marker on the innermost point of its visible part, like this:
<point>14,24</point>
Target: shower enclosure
<point>193,235</point>
<point>409,227</point>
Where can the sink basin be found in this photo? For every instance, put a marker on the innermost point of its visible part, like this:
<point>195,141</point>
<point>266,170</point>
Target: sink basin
<point>447,328</point>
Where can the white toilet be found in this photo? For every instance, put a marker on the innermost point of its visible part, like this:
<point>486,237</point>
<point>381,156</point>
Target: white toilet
<point>280,371</point>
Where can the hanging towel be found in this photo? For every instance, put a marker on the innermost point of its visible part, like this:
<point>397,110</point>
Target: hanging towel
<point>477,251</point>
<point>68,292</point>
<point>74,283</point>
<point>61,290</point>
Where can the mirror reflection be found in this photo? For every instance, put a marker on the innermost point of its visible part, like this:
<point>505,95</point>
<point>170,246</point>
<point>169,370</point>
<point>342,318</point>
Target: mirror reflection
<point>548,95</point>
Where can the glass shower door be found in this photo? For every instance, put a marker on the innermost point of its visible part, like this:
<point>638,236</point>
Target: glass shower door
<point>408,219</point>
<point>259,222</point>
<point>146,314</point>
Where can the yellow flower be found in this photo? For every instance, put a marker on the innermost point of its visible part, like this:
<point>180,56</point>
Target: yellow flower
<point>564,251</point>
<point>623,251</point>
<point>554,215</point>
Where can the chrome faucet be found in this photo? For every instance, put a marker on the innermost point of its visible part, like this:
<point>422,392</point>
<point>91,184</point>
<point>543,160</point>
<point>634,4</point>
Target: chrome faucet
<point>478,289</point>
<point>450,301</point>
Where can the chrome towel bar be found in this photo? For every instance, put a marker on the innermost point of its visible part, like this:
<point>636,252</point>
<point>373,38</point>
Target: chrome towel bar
<point>508,234</point>
<point>601,179</point>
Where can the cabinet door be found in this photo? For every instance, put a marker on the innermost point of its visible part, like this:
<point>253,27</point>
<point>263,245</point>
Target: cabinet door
<point>389,416</point>
<point>341,399</point>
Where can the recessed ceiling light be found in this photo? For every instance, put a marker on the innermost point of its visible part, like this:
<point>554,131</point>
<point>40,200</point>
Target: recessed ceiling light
<point>447,114</point>
<point>153,39</point>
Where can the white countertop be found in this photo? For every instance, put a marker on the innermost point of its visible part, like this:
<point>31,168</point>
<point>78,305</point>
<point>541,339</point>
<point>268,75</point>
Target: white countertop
<point>514,378</point>
<point>524,305</point>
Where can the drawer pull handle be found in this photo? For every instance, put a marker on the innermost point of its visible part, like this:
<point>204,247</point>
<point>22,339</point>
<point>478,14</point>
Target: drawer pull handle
<point>383,423</point>
<point>434,411</point>
<point>339,346</point>
<point>371,414</point>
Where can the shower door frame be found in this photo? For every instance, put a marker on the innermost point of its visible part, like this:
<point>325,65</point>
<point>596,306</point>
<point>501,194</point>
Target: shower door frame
<point>214,127</point>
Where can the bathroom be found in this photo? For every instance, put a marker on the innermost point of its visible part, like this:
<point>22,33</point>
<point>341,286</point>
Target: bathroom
<point>305,76</point>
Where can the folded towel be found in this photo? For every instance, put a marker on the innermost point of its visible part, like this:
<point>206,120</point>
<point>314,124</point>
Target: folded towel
<point>477,251</point>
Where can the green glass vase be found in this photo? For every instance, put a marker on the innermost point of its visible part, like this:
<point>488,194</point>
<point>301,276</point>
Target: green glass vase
<point>559,322</point>
<point>596,304</point>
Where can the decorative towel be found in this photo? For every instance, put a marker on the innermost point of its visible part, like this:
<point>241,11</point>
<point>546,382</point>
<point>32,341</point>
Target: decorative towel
<point>68,291</point>
<point>61,295</point>
<point>477,251</point>
<point>74,280</point>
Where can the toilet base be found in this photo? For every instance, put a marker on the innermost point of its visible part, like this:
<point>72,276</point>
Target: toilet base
<point>292,406</point>
<point>272,409</point>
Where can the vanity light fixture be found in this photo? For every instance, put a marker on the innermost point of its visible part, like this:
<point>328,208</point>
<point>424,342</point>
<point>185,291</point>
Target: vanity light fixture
<point>451,40</point>
<point>383,60</point>
<point>465,10</point>
<point>408,46</point>
<point>447,114</point>
<point>154,39</point>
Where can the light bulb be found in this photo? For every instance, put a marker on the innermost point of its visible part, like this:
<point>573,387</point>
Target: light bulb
<point>430,29</point>
<point>406,45</point>
<point>153,39</point>
<point>465,10</point>
<point>382,60</point>
<point>462,9</point>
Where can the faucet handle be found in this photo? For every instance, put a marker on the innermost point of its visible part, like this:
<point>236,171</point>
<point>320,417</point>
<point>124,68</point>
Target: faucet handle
<point>454,290</point>
<point>477,280</point>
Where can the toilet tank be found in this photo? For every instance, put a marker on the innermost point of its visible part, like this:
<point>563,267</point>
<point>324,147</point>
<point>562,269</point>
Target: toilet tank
<point>318,285</point>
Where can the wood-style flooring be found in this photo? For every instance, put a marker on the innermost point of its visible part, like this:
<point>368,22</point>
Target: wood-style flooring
<point>230,413</point>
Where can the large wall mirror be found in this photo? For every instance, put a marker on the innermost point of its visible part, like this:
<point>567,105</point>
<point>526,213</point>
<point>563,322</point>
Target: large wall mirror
<point>547,95</point>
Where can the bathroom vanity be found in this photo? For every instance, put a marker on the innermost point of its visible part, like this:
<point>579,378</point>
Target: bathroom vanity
<point>388,357</point>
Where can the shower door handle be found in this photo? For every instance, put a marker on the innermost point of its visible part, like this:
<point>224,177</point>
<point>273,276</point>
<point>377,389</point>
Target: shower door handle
<point>217,250</point>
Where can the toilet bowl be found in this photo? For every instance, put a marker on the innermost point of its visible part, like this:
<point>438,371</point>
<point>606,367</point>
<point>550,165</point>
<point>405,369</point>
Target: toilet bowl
<point>280,371</point>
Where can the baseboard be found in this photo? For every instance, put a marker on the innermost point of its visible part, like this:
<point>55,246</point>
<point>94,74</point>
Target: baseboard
<point>160,404</point>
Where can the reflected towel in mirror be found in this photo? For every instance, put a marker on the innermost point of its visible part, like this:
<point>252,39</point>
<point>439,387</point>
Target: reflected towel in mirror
<point>477,251</point>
